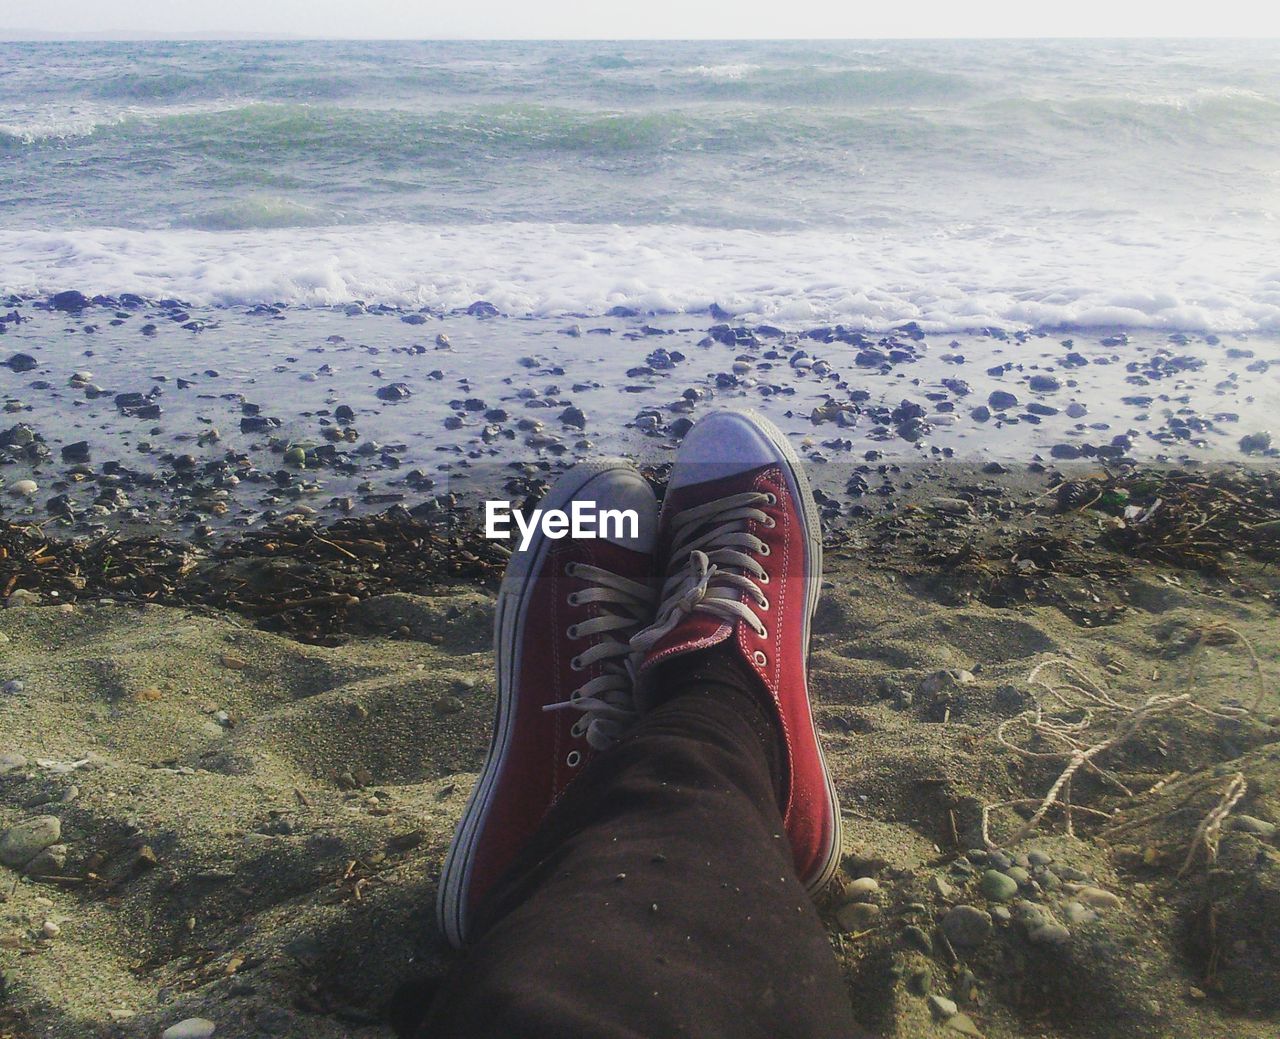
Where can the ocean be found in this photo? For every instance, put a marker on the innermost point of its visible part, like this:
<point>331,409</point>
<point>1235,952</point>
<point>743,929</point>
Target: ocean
<point>957,184</point>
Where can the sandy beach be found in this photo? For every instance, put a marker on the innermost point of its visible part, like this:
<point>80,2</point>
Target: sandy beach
<point>249,828</point>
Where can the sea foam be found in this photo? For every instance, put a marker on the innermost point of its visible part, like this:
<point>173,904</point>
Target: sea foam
<point>952,279</point>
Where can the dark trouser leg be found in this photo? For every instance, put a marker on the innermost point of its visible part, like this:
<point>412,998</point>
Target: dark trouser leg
<point>658,899</point>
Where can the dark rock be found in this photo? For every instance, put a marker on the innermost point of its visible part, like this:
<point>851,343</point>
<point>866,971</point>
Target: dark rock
<point>1002,400</point>
<point>22,362</point>
<point>71,300</point>
<point>572,416</point>
<point>395,391</point>
<point>1044,383</point>
<point>77,452</point>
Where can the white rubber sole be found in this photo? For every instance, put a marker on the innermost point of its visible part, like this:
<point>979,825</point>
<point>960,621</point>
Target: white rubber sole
<point>508,629</point>
<point>813,538</point>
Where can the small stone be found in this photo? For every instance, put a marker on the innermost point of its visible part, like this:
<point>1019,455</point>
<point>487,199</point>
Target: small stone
<point>1079,914</point>
<point>233,662</point>
<point>963,1024</point>
<point>1044,383</point>
<point>24,842</point>
<point>939,886</point>
<point>999,887</point>
<point>50,929</point>
<point>1256,443</point>
<point>858,916</point>
<point>191,1028</point>
<point>1250,824</point>
<point>966,925</point>
<point>1002,400</point>
<point>918,938</point>
<point>862,889</point>
<point>1097,898</point>
<point>24,489</point>
<point>50,862</point>
<point>1039,858</point>
<point>949,679</point>
<point>942,1006</point>
<point>11,761</point>
<point>1050,934</point>
<point>1018,874</point>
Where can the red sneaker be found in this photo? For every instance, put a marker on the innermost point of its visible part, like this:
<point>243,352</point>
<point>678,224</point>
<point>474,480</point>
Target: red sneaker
<point>566,612</point>
<point>741,548</point>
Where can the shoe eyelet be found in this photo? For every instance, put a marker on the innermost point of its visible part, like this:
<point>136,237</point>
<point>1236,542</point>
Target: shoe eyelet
<point>763,578</point>
<point>770,523</point>
<point>571,631</point>
<point>576,695</point>
<point>572,599</point>
<point>571,570</point>
<point>759,658</point>
<point>577,730</point>
<point>764,603</point>
<point>771,498</point>
<point>765,550</point>
<point>574,759</point>
<point>575,664</point>
<point>763,633</point>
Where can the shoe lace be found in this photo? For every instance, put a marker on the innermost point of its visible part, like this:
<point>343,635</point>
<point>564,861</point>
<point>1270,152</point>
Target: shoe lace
<point>606,701</point>
<point>713,566</point>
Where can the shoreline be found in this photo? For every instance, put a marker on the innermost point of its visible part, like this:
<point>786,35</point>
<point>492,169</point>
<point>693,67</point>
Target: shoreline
<point>242,417</point>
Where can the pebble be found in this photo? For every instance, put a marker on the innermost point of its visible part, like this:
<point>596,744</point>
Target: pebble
<point>50,862</point>
<point>24,842</point>
<point>12,687</point>
<point>966,925</point>
<point>1250,824</point>
<point>918,938</point>
<point>1050,934</point>
<point>1079,914</point>
<point>24,488</point>
<point>861,889</point>
<point>11,761</point>
<point>999,887</point>
<point>858,916</point>
<point>191,1028</point>
<point>963,1023</point>
<point>50,929</point>
<point>1097,898</point>
<point>1039,858</point>
<point>949,679</point>
<point>939,886</point>
<point>942,1006</point>
<point>1002,400</point>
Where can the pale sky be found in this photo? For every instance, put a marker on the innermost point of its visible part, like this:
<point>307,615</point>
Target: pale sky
<point>661,19</point>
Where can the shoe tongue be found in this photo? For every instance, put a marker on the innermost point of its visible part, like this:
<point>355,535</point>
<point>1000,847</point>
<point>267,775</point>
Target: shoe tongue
<point>696,632</point>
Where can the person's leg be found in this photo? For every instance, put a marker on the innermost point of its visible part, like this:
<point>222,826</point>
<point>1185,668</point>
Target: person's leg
<point>659,898</point>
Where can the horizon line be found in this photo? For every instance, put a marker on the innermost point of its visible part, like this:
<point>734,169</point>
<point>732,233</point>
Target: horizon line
<point>232,36</point>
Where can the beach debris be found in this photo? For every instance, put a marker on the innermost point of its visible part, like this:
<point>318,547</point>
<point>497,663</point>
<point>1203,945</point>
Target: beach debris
<point>1072,720</point>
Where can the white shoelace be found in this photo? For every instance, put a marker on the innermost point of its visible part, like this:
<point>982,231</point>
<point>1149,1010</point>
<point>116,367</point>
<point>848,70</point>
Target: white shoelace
<point>713,566</point>
<point>607,702</point>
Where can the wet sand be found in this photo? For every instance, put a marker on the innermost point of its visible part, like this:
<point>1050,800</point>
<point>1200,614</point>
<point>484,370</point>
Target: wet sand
<point>145,415</point>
